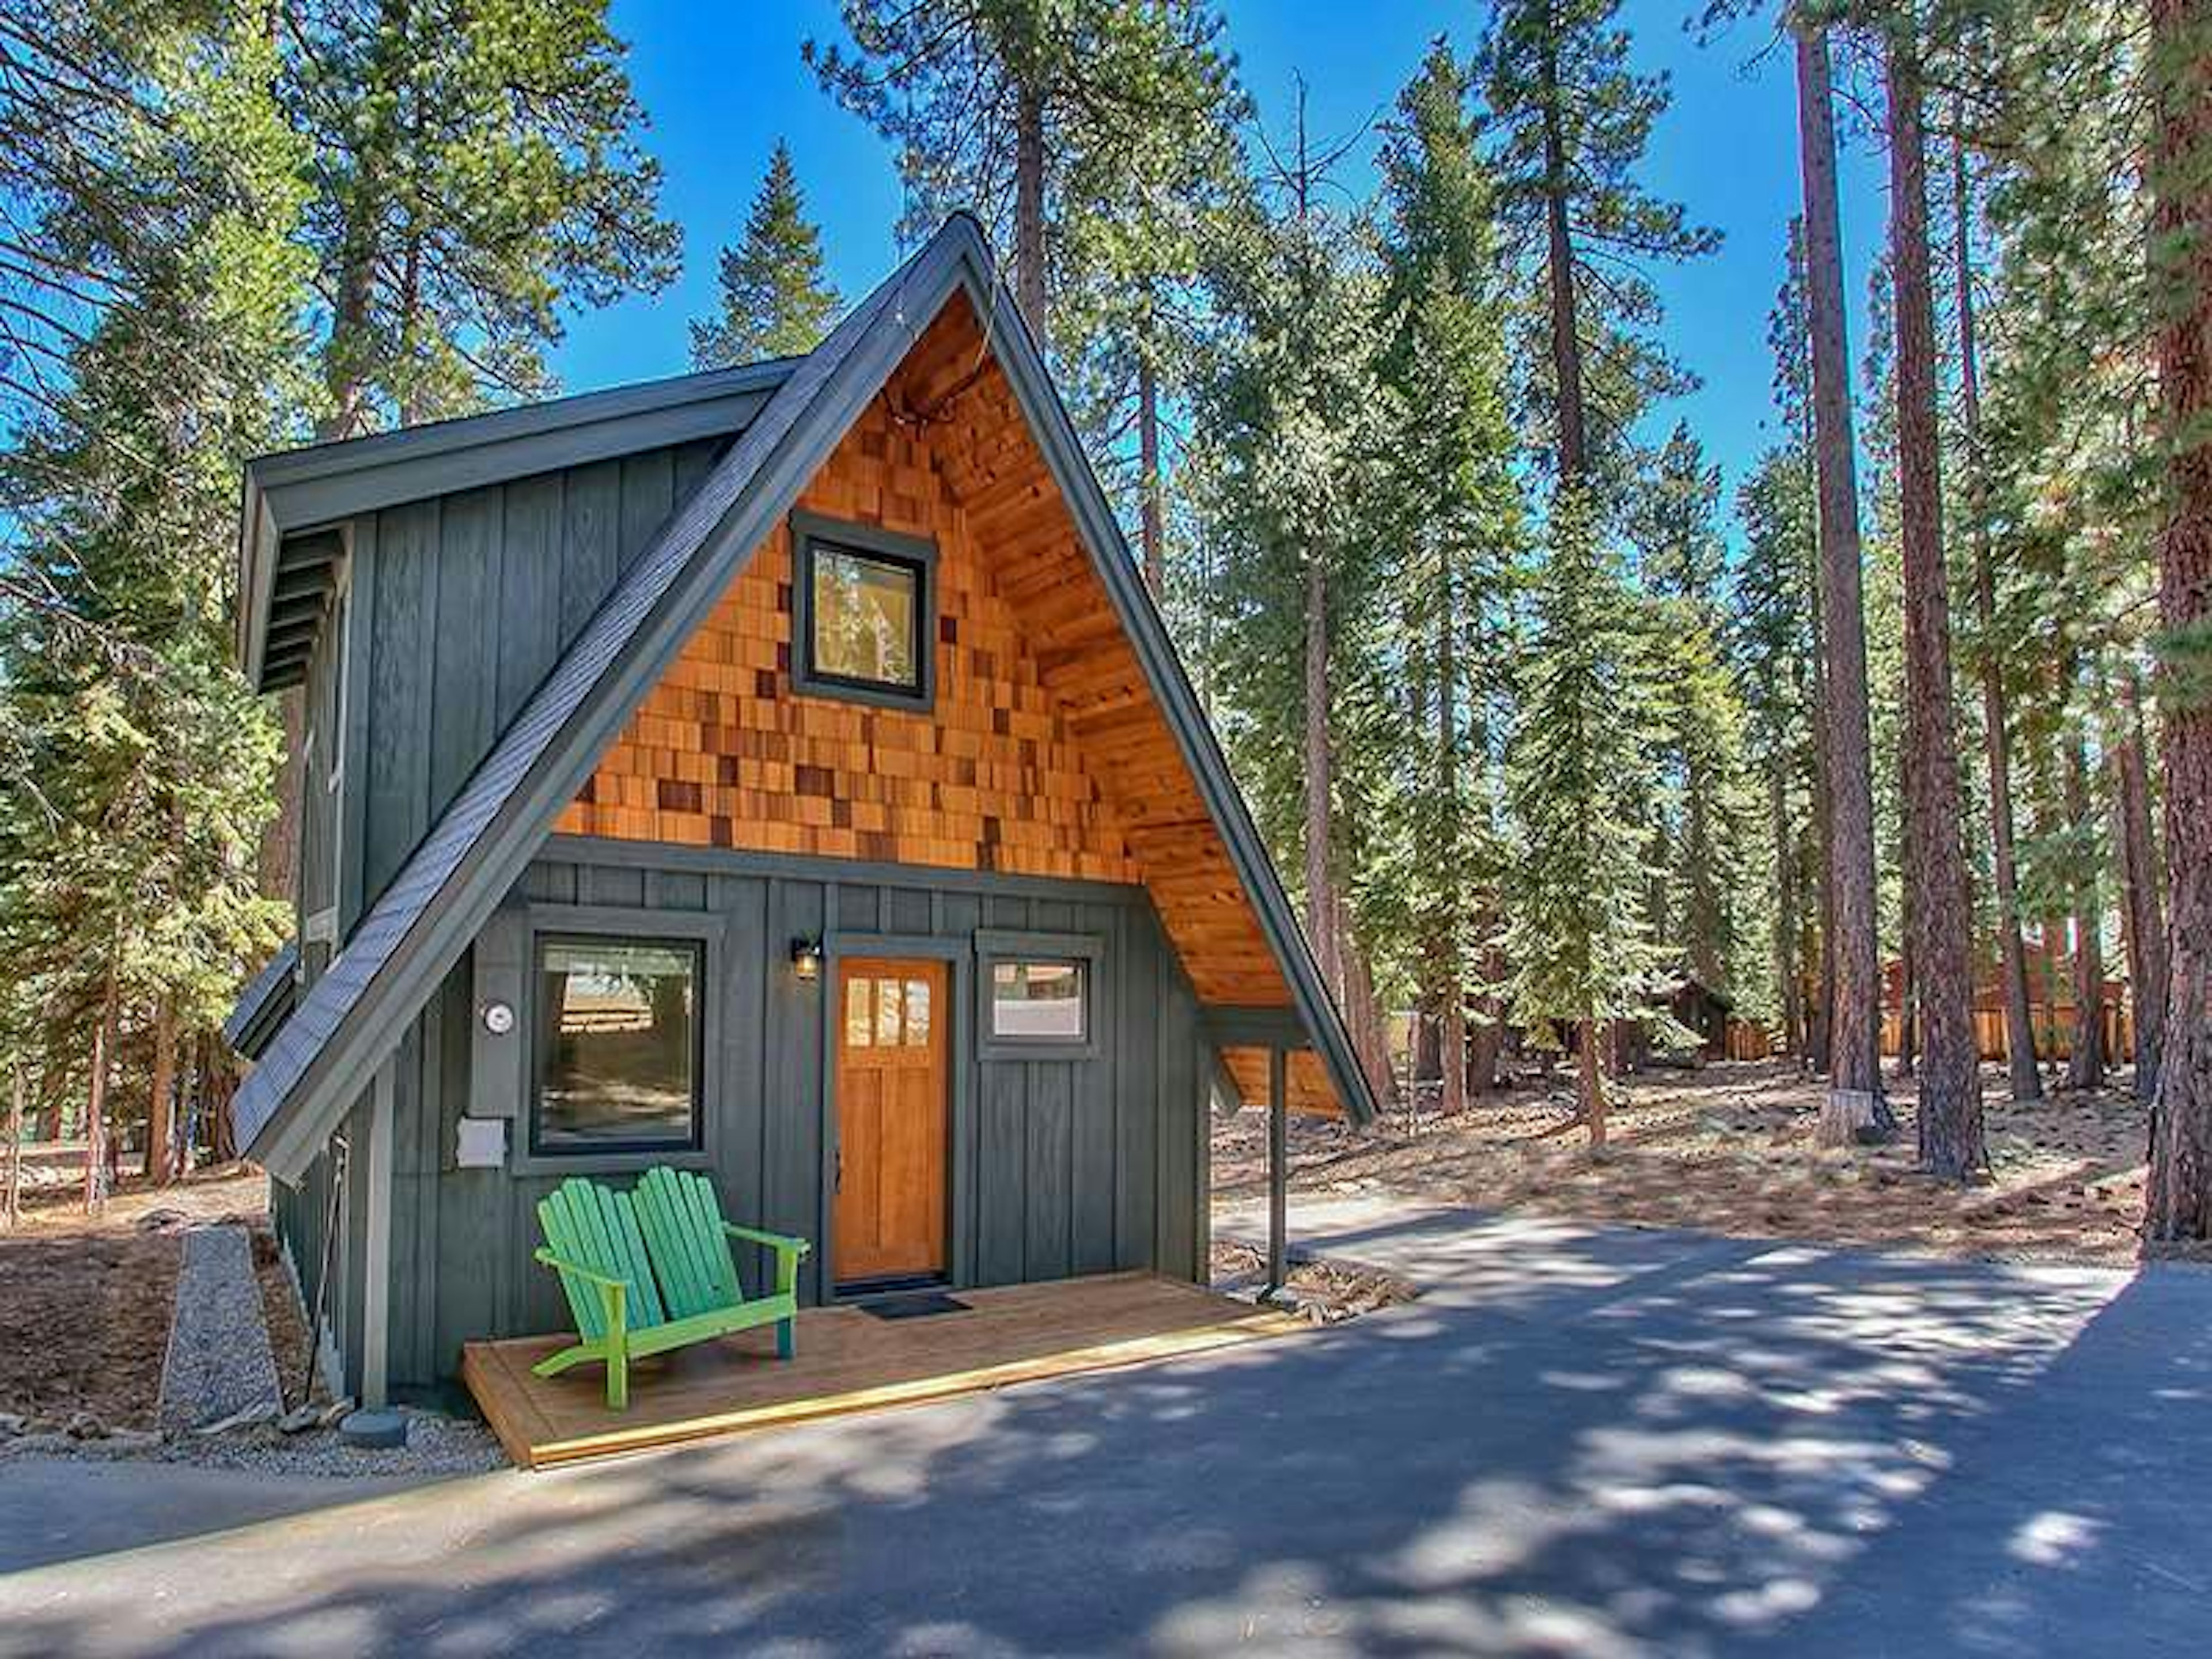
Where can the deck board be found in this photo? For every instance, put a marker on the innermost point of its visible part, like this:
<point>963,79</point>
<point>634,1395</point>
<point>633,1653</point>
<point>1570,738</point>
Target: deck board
<point>850,1361</point>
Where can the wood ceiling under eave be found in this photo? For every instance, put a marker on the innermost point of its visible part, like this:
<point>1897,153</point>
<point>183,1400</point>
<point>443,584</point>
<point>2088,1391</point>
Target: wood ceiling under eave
<point>998,476</point>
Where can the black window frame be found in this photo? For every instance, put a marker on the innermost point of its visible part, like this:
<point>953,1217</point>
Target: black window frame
<point>812,534</point>
<point>534,1149</point>
<point>1084,952</point>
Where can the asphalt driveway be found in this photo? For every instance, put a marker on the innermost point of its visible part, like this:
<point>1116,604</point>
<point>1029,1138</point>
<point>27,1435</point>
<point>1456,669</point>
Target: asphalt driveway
<point>1586,1441</point>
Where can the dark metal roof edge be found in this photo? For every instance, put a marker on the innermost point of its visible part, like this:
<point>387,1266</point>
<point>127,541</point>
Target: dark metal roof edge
<point>410,443</point>
<point>518,822</point>
<point>1172,689</point>
<point>263,1003</point>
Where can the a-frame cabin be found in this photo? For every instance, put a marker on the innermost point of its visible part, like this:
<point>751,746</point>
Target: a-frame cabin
<point>779,772</point>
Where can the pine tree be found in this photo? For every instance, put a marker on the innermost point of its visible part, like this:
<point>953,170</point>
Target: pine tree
<point>1448,521</point>
<point>1573,121</point>
<point>140,761</point>
<point>1092,138</point>
<point>2179,1197</point>
<point>1852,990</point>
<point>1939,915</point>
<point>1996,736</point>
<point>1699,810</point>
<point>479,174</point>
<point>775,302</point>
<point>1771,646</point>
<point>1581,952</point>
<point>1283,449</point>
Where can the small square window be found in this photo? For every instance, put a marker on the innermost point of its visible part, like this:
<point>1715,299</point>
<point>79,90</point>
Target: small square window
<point>618,1046</point>
<point>1039,1002</point>
<point>863,612</point>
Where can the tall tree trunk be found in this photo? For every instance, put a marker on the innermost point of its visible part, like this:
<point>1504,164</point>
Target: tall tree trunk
<point>1029,206</point>
<point>1590,1081</point>
<point>1997,742</point>
<point>1451,989</point>
<point>2139,892</point>
<point>1854,1106</point>
<point>1704,891</point>
<point>158,1166</point>
<point>11,1199</point>
<point>95,1104</point>
<point>2085,1049</point>
<point>1321,891</point>
<point>1152,510</point>
<point>2179,1195</point>
<point>1785,915</point>
<point>1821,1007</point>
<point>1487,1042</point>
<point>1951,1141</point>
<point>1908,992</point>
<point>1560,266</point>
<point>1363,1014</point>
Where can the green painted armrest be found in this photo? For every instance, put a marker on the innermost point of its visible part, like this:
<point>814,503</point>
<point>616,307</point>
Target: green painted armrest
<point>603,1280</point>
<point>773,1241</point>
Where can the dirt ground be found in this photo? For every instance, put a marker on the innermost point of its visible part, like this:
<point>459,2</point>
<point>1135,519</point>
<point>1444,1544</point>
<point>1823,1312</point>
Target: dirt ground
<point>86,1300</point>
<point>1729,1149</point>
<point>1325,1292</point>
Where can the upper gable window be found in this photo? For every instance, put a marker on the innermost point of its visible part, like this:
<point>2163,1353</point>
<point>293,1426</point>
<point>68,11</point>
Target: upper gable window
<point>864,612</point>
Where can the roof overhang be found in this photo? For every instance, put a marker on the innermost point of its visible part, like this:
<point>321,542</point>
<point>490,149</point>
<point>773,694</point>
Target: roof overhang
<point>264,1004</point>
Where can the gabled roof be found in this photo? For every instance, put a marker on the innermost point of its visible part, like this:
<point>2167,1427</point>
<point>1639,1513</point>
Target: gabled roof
<point>424,920</point>
<point>264,1004</point>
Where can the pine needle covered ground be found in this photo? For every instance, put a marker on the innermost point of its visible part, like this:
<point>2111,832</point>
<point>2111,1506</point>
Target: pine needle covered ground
<point>1730,1149</point>
<point>86,1303</point>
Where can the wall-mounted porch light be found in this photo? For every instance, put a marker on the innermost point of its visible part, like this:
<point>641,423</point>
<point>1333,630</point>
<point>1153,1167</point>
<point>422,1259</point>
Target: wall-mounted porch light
<point>806,959</point>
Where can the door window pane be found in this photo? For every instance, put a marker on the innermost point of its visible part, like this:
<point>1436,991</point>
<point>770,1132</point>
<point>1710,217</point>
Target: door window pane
<point>917,1013</point>
<point>618,1028</point>
<point>887,1014</point>
<point>858,1026</point>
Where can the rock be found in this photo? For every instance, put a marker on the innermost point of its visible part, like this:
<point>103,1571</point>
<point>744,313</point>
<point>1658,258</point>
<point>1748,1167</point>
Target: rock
<point>300,1418</point>
<point>374,1429</point>
<point>161,1221</point>
<point>83,1425</point>
<point>11,1426</point>
<point>337,1412</point>
<point>238,1419</point>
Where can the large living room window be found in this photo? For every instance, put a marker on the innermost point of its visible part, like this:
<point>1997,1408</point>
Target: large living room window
<point>863,612</point>
<point>618,1046</point>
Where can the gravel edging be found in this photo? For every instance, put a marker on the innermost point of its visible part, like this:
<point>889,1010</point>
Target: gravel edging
<point>437,1445</point>
<point>219,1366</point>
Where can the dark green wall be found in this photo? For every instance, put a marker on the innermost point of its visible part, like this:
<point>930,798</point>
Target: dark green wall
<point>464,603</point>
<point>1060,1167</point>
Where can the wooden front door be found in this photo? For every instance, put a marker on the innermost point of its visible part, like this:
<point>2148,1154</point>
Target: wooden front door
<point>893,1119</point>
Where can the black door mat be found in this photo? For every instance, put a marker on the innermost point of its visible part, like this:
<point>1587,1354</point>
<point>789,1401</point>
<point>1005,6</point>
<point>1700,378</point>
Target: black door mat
<point>916,1305</point>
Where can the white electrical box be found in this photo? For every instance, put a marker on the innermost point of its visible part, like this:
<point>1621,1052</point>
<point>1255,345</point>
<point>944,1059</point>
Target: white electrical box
<point>482,1144</point>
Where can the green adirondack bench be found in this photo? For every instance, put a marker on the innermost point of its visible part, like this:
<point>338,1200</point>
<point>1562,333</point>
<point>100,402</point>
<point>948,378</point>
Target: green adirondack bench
<point>648,1271</point>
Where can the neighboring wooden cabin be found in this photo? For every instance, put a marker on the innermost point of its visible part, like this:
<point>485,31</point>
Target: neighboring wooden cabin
<point>779,772</point>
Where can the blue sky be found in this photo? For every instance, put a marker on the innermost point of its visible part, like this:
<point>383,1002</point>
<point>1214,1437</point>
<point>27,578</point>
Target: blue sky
<point>721,83</point>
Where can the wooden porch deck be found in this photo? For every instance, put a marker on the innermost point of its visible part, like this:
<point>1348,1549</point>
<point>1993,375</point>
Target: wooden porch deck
<point>851,1361</point>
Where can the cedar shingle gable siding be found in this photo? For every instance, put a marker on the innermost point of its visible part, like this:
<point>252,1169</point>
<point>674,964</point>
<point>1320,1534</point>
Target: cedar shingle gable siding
<point>1045,754</point>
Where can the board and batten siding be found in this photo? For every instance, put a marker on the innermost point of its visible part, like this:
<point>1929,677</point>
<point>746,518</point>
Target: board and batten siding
<point>1060,1167</point>
<point>461,605</point>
